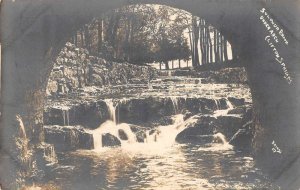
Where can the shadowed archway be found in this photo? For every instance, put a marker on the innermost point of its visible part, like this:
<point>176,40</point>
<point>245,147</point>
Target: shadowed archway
<point>33,32</point>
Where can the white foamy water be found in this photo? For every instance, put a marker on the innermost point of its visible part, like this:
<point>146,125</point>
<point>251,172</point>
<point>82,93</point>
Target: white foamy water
<point>111,109</point>
<point>163,136</point>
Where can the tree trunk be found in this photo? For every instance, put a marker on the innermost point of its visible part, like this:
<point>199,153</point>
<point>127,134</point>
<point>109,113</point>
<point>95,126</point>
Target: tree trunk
<point>201,42</point>
<point>81,38</point>
<point>196,40</point>
<point>75,39</point>
<point>234,53</point>
<point>216,46</point>
<point>179,64</point>
<point>100,34</point>
<point>87,38</point>
<point>206,44</point>
<point>221,48</point>
<point>210,47</point>
<point>191,44</point>
<point>225,50</point>
<point>167,65</point>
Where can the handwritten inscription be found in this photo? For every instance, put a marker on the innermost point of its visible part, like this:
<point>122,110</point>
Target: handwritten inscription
<point>275,148</point>
<point>272,38</point>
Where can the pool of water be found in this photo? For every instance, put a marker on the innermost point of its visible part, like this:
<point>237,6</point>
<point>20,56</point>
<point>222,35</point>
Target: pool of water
<point>154,166</point>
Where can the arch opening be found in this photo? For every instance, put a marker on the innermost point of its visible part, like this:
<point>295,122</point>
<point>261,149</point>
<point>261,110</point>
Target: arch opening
<point>32,93</point>
<point>139,105</point>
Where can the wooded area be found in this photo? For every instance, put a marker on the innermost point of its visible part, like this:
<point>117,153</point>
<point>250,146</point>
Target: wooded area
<point>143,34</point>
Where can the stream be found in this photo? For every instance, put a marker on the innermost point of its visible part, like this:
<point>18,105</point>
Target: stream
<point>159,161</point>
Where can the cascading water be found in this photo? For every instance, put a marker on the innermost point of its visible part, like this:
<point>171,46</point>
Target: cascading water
<point>229,104</point>
<point>219,111</point>
<point>67,116</point>
<point>217,102</point>
<point>162,135</point>
<point>175,102</point>
<point>219,143</point>
<point>111,109</point>
<point>113,129</point>
<point>50,155</point>
<point>21,124</point>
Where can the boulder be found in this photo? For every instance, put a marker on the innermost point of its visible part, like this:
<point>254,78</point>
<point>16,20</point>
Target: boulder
<point>67,138</point>
<point>187,114</point>
<point>140,133</point>
<point>242,139</point>
<point>109,140</point>
<point>194,135</point>
<point>141,136</point>
<point>236,102</point>
<point>237,111</point>
<point>228,125</point>
<point>122,135</point>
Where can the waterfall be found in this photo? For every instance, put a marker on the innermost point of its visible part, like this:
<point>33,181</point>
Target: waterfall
<point>50,155</point>
<point>113,129</point>
<point>217,102</point>
<point>65,115</point>
<point>219,137</point>
<point>229,104</point>
<point>219,144</point>
<point>220,112</point>
<point>162,135</point>
<point>74,137</point>
<point>175,102</point>
<point>21,124</point>
<point>111,109</point>
<point>68,117</point>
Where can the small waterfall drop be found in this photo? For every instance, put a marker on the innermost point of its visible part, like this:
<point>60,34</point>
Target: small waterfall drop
<point>111,109</point>
<point>219,138</point>
<point>113,129</point>
<point>229,104</point>
<point>219,143</point>
<point>220,112</point>
<point>160,136</point>
<point>50,155</point>
<point>67,117</point>
<point>217,102</point>
<point>21,124</point>
<point>65,114</point>
<point>175,102</point>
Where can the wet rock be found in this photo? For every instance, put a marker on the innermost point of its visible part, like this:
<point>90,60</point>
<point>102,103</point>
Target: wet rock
<point>238,111</point>
<point>207,125</point>
<point>87,114</point>
<point>141,136</point>
<point>248,116</point>
<point>187,114</point>
<point>228,125</point>
<point>109,140</point>
<point>45,156</point>
<point>242,139</point>
<point>122,134</point>
<point>223,104</point>
<point>200,105</point>
<point>236,102</point>
<point>140,133</point>
<point>67,138</point>
<point>54,116</point>
<point>194,135</point>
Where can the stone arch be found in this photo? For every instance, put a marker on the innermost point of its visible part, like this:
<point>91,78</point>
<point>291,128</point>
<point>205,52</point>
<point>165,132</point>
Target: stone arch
<point>33,32</point>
